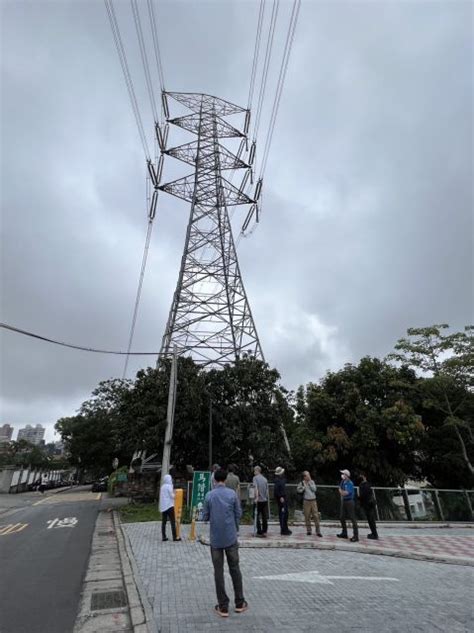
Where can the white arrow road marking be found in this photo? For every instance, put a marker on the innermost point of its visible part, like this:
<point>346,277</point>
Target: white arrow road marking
<point>315,577</point>
<point>302,576</point>
<point>364,578</point>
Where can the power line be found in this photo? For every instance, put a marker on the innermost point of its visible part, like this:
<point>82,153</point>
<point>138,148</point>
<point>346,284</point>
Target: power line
<point>256,53</point>
<point>266,64</point>
<point>146,67</point>
<point>139,292</point>
<point>11,328</point>
<point>281,80</point>
<point>154,32</point>
<point>126,73</point>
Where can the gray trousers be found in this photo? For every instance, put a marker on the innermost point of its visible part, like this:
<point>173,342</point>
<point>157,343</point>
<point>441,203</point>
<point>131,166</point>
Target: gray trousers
<point>348,512</point>
<point>232,555</point>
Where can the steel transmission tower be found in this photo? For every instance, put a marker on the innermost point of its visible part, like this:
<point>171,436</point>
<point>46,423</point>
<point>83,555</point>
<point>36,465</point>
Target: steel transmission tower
<point>210,317</point>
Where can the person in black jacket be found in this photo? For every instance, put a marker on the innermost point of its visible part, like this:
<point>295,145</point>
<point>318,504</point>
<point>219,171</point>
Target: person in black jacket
<point>279,490</point>
<point>367,503</point>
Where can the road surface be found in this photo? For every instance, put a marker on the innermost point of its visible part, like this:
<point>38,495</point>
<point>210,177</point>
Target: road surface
<point>44,549</point>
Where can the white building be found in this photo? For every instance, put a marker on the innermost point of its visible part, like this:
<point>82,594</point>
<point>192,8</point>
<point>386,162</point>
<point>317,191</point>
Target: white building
<point>32,434</point>
<point>6,432</point>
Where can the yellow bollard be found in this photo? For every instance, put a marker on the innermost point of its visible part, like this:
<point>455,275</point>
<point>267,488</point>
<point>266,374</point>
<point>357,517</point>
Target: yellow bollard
<point>178,509</point>
<point>192,534</point>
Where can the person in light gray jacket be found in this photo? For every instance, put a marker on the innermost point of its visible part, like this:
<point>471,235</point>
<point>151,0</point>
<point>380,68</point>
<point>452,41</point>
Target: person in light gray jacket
<point>307,488</point>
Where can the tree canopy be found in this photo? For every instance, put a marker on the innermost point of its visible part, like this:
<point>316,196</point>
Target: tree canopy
<point>409,416</point>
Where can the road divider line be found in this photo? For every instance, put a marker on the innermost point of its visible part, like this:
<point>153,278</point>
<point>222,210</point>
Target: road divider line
<point>40,501</point>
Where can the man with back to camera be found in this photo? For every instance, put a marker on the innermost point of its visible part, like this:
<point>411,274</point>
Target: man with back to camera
<point>347,492</point>
<point>260,484</point>
<point>222,509</point>
<point>232,481</point>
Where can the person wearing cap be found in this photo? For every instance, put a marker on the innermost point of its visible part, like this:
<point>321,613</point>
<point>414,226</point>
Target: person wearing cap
<point>347,492</point>
<point>279,490</point>
<point>307,488</point>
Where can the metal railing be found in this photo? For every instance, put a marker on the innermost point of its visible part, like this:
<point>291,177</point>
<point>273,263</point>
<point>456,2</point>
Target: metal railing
<point>392,504</point>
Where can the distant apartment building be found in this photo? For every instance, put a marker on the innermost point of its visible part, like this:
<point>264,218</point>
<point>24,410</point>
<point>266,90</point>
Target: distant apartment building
<point>32,434</point>
<point>6,432</point>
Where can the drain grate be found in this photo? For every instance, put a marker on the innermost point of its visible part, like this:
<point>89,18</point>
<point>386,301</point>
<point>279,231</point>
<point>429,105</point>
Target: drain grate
<point>108,600</point>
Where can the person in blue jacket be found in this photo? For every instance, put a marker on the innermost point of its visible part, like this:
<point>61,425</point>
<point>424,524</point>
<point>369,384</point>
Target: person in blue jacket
<point>347,492</point>
<point>222,510</point>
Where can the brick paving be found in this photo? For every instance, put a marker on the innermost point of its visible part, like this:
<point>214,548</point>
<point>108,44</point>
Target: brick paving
<point>308,589</point>
<point>430,542</point>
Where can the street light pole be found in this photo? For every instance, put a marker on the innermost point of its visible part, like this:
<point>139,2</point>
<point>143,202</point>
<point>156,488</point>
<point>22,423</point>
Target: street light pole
<point>165,462</point>
<point>210,433</point>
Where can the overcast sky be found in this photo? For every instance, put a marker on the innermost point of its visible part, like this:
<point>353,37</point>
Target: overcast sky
<point>367,216</point>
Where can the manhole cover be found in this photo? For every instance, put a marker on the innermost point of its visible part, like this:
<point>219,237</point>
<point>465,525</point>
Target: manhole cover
<point>108,600</point>
<point>106,533</point>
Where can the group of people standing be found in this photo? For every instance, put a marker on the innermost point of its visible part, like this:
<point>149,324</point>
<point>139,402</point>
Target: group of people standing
<point>223,510</point>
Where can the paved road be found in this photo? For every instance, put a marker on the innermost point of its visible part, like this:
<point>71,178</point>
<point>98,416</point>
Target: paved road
<point>44,549</point>
<point>302,591</point>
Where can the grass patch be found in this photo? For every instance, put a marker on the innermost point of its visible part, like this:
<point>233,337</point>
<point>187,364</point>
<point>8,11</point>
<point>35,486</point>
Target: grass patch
<point>138,512</point>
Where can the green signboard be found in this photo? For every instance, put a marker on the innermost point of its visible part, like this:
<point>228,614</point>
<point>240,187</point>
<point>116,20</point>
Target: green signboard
<point>201,486</point>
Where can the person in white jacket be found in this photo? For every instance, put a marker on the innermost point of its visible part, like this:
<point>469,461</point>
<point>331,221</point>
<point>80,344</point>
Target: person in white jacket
<point>167,508</point>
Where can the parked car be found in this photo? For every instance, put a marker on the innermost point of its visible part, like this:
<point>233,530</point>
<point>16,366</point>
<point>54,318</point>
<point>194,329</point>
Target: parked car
<point>100,485</point>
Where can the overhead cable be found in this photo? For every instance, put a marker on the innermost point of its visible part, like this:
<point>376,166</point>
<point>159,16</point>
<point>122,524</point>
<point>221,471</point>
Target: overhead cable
<point>256,53</point>
<point>126,73</point>
<point>154,32</point>
<point>139,292</point>
<point>5,326</point>
<point>281,80</point>
<point>146,67</point>
<point>266,65</point>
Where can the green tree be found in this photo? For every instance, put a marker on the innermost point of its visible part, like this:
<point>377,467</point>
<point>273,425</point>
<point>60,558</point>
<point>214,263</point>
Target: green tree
<point>361,418</point>
<point>446,361</point>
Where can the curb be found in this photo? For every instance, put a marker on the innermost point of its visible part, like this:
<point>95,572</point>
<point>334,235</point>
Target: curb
<point>342,547</point>
<point>141,612</point>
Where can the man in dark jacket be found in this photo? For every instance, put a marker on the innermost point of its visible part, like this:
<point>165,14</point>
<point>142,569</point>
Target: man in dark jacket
<point>367,503</point>
<point>279,490</point>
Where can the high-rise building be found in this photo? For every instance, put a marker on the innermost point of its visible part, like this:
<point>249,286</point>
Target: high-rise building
<point>6,432</point>
<point>31,434</point>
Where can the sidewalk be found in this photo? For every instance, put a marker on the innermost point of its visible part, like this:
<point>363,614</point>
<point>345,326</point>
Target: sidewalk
<point>296,586</point>
<point>451,545</point>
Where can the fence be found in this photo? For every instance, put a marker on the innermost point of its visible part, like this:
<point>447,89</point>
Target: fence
<point>13,480</point>
<point>392,504</point>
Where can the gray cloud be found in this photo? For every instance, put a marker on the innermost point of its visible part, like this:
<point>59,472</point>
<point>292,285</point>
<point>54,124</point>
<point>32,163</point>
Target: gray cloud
<point>367,216</point>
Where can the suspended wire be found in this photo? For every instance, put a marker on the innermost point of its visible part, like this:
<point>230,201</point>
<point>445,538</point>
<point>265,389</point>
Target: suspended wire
<point>126,73</point>
<point>70,345</point>
<point>256,53</point>
<point>154,32</point>
<point>146,67</point>
<point>139,292</point>
<point>266,65</point>
<point>281,81</point>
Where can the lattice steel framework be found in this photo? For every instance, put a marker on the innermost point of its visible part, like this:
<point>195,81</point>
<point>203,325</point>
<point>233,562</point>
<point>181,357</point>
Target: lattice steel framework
<point>210,317</point>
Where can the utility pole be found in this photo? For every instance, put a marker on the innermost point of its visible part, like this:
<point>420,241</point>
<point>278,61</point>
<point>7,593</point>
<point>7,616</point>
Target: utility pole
<point>210,433</point>
<point>165,462</point>
<point>210,317</point>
